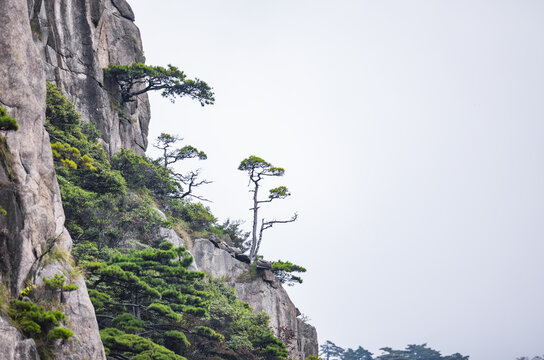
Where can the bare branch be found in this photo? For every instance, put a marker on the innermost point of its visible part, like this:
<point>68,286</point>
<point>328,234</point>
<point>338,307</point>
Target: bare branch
<point>267,225</point>
<point>191,181</point>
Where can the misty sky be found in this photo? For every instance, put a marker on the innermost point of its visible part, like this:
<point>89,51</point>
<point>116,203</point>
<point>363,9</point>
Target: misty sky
<point>412,135</point>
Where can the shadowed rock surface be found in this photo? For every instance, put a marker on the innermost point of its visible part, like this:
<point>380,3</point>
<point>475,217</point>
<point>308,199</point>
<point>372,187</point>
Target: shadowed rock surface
<point>29,192</point>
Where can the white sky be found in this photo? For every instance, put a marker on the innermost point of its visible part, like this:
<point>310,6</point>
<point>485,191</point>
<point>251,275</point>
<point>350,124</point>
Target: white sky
<point>412,135</point>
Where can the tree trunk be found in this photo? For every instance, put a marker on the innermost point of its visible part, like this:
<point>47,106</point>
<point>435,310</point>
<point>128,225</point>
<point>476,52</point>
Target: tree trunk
<point>253,252</point>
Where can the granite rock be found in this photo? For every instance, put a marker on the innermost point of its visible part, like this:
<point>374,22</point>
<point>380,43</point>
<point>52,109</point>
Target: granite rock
<point>263,293</point>
<point>29,191</point>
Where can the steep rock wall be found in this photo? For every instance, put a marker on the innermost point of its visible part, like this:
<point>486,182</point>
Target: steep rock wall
<point>262,293</point>
<point>30,194</point>
<point>76,40</point>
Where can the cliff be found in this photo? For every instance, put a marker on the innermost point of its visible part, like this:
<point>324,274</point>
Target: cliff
<point>261,290</point>
<point>76,39</point>
<point>69,42</point>
<point>30,195</point>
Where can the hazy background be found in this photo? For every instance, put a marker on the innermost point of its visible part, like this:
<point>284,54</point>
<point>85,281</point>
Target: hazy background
<point>412,136</point>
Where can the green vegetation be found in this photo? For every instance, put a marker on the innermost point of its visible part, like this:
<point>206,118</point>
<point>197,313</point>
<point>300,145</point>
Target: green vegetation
<point>330,351</point>
<point>232,234</point>
<point>170,156</point>
<point>150,292</point>
<point>138,78</point>
<point>41,318</point>
<point>284,272</point>
<point>244,330</point>
<point>257,170</point>
<point>148,305</point>
<point>6,121</point>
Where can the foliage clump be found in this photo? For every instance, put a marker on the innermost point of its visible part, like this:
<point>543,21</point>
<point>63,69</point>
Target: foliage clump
<point>232,233</point>
<point>141,172</point>
<point>40,319</point>
<point>284,272</point>
<point>7,122</point>
<point>244,330</point>
<point>147,291</point>
<point>34,320</point>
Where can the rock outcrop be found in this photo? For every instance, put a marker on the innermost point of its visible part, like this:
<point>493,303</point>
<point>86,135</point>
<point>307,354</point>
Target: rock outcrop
<point>76,40</point>
<point>14,345</point>
<point>68,42</point>
<point>262,292</point>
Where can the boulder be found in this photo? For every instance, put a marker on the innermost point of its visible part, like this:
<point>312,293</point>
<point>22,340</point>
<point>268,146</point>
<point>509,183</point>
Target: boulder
<point>243,258</point>
<point>263,264</point>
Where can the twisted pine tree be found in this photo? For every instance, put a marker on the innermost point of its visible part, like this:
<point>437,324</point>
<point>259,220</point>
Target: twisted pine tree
<point>170,155</point>
<point>257,170</point>
<point>138,78</point>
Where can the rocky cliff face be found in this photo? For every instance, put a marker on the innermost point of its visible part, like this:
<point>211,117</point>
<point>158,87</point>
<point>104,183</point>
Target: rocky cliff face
<point>76,39</point>
<point>30,194</point>
<point>262,292</point>
<point>69,42</point>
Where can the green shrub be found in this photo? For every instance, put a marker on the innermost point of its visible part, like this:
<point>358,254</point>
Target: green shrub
<point>60,333</point>
<point>41,325</point>
<point>270,347</point>
<point>90,130</point>
<point>198,216</point>
<point>209,333</point>
<point>6,121</point>
<point>70,157</point>
<point>141,172</point>
<point>240,325</point>
<point>60,111</point>
<point>237,236</point>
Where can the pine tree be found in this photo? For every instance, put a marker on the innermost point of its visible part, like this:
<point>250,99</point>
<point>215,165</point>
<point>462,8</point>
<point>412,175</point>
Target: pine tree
<point>149,294</point>
<point>257,170</point>
<point>359,354</point>
<point>330,351</point>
